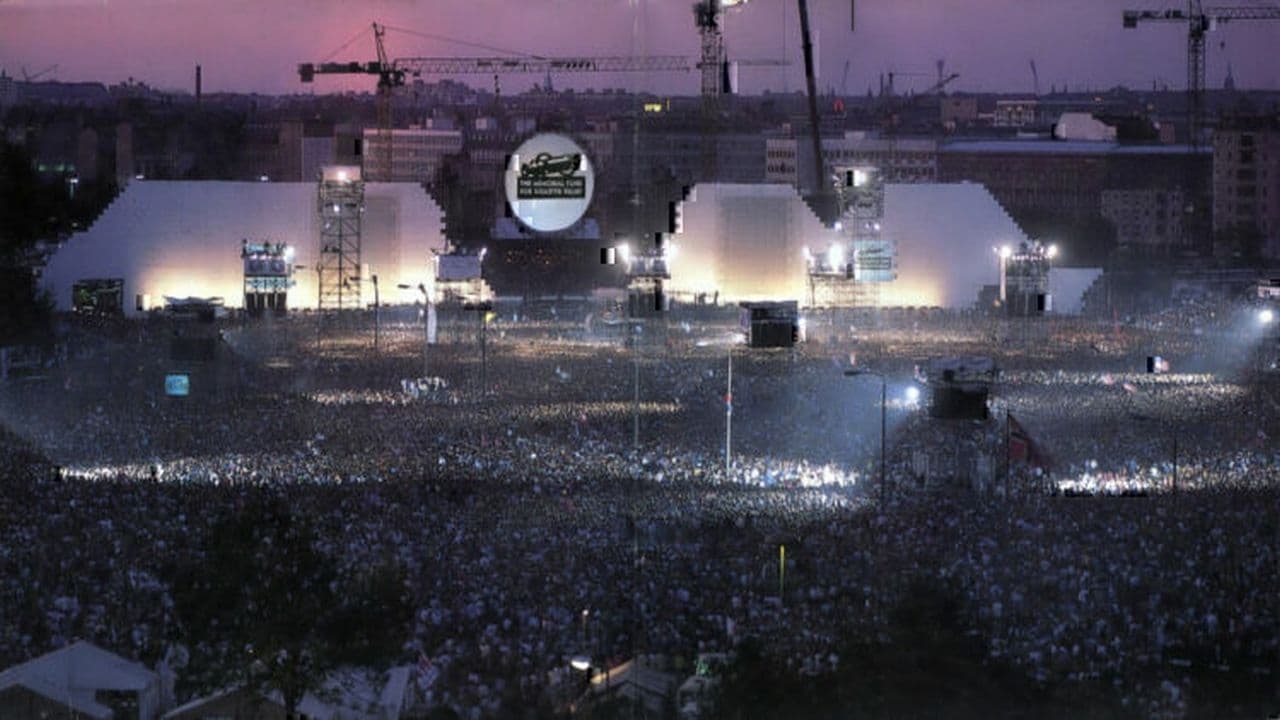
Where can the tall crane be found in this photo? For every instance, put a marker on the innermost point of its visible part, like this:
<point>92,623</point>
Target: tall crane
<point>32,77</point>
<point>708,16</point>
<point>393,73</point>
<point>1200,21</point>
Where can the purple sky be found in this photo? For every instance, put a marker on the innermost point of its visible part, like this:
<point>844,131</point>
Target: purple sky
<point>254,45</point>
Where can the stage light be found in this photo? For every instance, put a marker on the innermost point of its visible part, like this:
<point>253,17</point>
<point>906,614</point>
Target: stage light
<point>1266,316</point>
<point>913,394</point>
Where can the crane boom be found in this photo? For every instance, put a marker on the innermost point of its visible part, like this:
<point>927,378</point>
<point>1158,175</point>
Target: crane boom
<point>1200,20</point>
<point>392,74</point>
<point>418,66</point>
<point>1204,16</point>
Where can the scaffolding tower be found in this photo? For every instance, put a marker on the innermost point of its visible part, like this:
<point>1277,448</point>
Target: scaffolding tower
<point>856,266</point>
<point>340,202</point>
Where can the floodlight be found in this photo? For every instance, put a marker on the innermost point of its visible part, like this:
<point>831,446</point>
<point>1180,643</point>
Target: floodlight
<point>1266,316</point>
<point>913,394</point>
<point>1006,252</point>
<point>835,255</point>
<point>1052,252</point>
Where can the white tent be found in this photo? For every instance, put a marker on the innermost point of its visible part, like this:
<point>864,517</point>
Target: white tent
<point>73,676</point>
<point>182,239</point>
<point>748,241</point>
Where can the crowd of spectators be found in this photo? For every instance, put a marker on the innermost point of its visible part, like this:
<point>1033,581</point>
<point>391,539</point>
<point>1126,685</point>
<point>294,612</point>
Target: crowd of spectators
<point>531,529</point>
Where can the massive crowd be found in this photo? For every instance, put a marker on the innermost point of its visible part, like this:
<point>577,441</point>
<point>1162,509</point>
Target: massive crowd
<point>516,511</point>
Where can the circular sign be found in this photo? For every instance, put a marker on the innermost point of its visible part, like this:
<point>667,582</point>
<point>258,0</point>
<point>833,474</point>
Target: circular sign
<point>549,182</point>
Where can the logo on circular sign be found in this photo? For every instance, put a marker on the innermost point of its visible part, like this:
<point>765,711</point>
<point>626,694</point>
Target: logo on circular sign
<point>549,182</point>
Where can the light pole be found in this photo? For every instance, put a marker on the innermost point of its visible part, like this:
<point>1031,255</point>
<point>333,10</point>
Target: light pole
<point>377,304</point>
<point>857,372</point>
<point>634,326</point>
<point>1003,252</point>
<point>728,419</point>
<point>426,319</point>
<point>481,309</point>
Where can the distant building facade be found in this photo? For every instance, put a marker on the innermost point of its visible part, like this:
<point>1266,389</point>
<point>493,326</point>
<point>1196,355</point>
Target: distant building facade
<point>1147,219</point>
<point>1246,177</point>
<point>1066,181</point>
<point>417,153</point>
<point>789,159</point>
<point>8,90</point>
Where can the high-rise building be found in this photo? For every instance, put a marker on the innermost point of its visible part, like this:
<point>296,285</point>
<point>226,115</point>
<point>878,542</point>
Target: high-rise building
<point>1147,219</point>
<point>8,90</point>
<point>1246,178</point>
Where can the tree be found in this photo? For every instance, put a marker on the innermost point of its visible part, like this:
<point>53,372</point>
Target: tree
<point>25,209</point>
<point>264,589</point>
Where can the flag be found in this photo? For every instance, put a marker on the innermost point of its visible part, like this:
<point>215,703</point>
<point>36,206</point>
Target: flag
<point>1022,447</point>
<point>428,673</point>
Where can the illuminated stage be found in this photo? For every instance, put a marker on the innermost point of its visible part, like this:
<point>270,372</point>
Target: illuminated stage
<point>183,239</point>
<point>748,243</point>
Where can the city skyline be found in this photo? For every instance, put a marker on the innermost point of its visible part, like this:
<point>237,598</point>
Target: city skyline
<point>245,47</point>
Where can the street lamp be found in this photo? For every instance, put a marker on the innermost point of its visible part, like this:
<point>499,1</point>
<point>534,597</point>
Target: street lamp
<point>377,303</point>
<point>858,372</point>
<point>481,309</point>
<point>426,319</point>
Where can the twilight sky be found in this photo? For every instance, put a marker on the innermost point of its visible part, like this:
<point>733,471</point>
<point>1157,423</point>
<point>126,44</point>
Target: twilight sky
<point>254,45</point>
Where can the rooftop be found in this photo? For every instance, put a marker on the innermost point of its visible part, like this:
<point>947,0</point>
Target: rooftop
<point>1065,147</point>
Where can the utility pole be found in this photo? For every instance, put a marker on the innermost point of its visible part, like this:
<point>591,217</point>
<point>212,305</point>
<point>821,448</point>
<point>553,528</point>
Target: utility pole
<point>728,419</point>
<point>884,408</point>
<point>635,399</point>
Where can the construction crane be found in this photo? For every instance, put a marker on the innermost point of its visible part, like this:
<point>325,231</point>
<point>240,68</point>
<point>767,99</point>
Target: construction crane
<point>393,73</point>
<point>1199,20</point>
<point>890,111</point>
<point>708,17</point>
<point>32,77</point>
